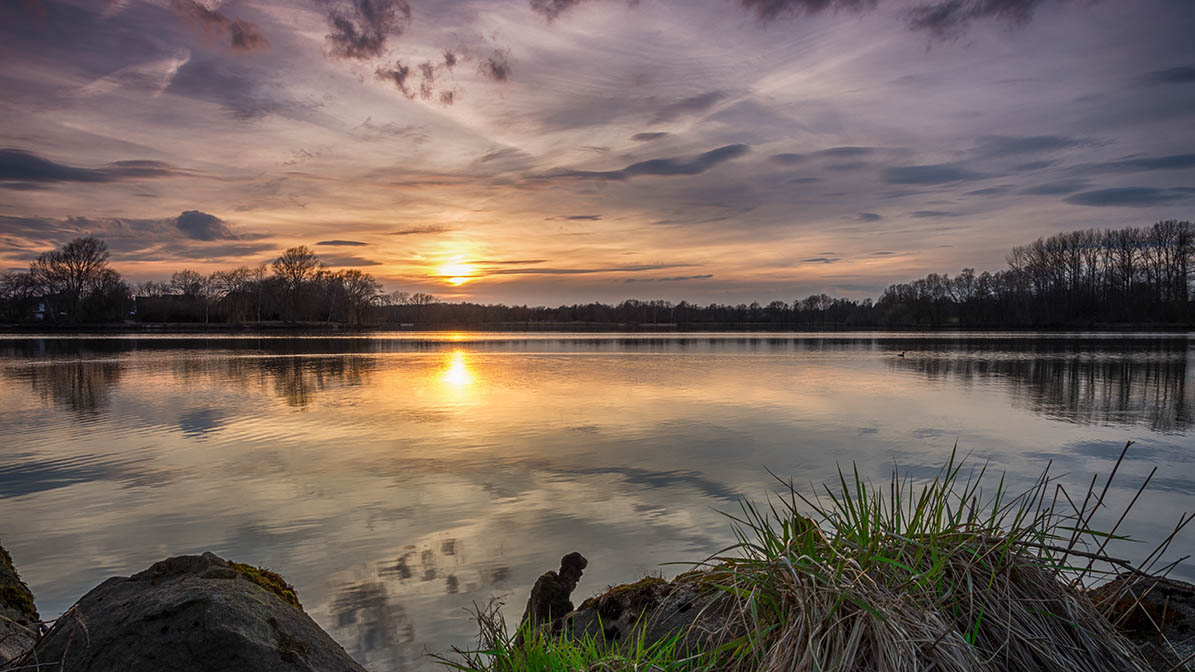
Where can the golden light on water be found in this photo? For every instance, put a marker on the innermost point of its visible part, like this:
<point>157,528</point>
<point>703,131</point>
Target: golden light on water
<point>457,373</point>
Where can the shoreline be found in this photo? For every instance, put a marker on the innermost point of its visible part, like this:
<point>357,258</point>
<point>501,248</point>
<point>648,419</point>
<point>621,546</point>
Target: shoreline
<point>322,328</point>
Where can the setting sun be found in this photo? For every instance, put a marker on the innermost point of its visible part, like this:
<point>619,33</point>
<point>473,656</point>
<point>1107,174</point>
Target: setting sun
<point>456,273</point>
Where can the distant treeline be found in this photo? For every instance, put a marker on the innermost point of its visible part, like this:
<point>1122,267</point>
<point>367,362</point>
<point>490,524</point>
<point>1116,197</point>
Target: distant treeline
<point>1079,278</point>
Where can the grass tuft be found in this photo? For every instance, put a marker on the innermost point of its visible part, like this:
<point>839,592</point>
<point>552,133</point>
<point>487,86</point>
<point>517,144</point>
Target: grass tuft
<point>539,649</point>
<point>906,576</point>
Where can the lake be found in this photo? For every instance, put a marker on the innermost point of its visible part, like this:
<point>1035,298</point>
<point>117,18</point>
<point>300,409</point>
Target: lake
<point>396,479</point>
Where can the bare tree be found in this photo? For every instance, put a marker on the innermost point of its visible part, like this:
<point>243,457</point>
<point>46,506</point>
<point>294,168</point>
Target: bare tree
<point>72,270</point>
<point>294,269</point>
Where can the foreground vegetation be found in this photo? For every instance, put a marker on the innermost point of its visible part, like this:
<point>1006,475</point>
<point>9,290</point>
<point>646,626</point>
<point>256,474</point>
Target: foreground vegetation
<point>930,576</point>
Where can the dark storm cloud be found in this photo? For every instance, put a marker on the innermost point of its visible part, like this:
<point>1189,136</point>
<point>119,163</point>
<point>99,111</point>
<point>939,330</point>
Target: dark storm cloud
<point>341,243</point>
<point>496,67</point>
<point>1006,145</point>
<point>940,173</point>
<point>691,105</point>
<point>360,28</point>
<point>1139,197</point>
<point>869,217</point>
<point>241,34</point>
<point>648,137</point>
<point>578,218</point>
<point>19,166</point>
<point>1184,74</point>
<point>202,226</point>
<point>419,230</point>
<point>670,166</point>
<point>928,214</point>
<point>820,260</point>
<point>1056,188</point>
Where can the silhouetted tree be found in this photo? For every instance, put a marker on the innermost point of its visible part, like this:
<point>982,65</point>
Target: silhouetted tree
<point>294,270</point>
<point>69,274</point>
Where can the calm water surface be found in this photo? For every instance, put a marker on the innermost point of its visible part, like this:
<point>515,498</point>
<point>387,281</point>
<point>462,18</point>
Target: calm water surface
<point>396,479</point>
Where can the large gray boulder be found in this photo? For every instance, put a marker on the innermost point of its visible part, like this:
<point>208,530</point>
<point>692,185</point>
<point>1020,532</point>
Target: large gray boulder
<point>191,614</point>
<point>18,616</point>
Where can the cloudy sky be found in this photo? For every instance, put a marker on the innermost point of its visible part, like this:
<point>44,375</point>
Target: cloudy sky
<point>568,150</point>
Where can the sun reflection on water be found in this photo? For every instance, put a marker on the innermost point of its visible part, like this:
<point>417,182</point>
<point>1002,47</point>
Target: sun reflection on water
<point>456,372</point>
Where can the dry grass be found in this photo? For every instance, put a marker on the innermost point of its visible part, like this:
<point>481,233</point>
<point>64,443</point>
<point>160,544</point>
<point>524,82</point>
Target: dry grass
<point>902,578</point>
<point>935,576</point>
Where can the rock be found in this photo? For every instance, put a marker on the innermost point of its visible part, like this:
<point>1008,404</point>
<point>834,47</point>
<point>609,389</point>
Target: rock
<point>550,596</point>
<point>18,616</point>
<point>1156,614</point>
<point>191,614</point>
<point>688,606</point>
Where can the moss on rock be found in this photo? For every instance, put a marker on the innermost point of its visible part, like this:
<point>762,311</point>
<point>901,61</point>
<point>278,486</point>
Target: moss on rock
<point>16,600</point>
<point>17,597</point>
<point>271,581</point>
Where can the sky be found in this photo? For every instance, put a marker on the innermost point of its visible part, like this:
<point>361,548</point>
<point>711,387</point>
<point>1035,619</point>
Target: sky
<point>560,151</point>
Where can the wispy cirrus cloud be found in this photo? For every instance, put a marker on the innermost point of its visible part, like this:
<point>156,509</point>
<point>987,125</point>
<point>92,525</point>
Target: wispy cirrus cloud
<point>677,278</point>
<point>420,230</point>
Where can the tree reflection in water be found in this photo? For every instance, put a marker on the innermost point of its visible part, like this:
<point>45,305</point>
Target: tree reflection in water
<point>1150,391</point>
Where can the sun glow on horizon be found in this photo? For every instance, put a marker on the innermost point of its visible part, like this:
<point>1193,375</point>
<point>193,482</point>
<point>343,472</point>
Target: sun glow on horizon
<point>456,272</point>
